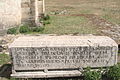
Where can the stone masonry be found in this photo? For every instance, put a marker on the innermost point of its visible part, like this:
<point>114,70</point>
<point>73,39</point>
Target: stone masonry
<point>32,11</point>
<point>10,13</point>
<point>15,12</point>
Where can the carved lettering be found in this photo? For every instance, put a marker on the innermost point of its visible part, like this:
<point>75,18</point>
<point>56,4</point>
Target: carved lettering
<point>60,57</point>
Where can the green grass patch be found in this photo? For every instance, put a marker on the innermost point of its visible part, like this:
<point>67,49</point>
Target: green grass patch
<point>85,11</point>
<point>12,30</point>
<point>110,9</point>
<point>45,20</point>
<point>92,75</point>
<point>4,58</point>
<point>69,25</point>
<point>113,72</point>
<point>60,25</point>
<point>112,18</point>
<point>25,29</point>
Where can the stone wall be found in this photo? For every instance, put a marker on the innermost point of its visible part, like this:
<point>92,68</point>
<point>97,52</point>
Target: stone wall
<point>10,13</point>
<point>26,10</point>
<point>15,12</point>
<point>41,7</point>
<point>31,11</point>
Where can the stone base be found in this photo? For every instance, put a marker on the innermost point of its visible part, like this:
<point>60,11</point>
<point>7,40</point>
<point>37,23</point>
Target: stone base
<point>49,74</point>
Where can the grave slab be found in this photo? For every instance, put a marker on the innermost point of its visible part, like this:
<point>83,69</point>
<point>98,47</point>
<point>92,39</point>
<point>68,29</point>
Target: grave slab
<point>45,53</point>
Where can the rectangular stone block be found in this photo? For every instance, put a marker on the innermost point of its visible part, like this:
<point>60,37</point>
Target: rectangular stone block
<point>63,52</point>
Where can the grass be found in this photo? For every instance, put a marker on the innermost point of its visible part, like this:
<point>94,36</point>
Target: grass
<point>4,58</point>
<point>108,9</point>
<point>111,18</point>
<point>69,25</point>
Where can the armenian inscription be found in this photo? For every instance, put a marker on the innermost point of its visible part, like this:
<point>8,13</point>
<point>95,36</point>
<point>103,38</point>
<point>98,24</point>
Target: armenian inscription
<point>64,57</point>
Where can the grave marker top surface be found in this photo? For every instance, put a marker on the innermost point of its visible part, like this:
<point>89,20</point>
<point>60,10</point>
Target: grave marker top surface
<point>62,41</point>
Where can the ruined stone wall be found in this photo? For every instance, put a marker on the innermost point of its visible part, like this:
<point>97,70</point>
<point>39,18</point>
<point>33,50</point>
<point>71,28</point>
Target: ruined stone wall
<point>41,7</point>
<point>31,11</point>
<point>10,13</point>
<point>15,12</point>
<point>26,10</point>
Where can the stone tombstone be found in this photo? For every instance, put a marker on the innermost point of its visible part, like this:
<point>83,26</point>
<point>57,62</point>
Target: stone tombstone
<point>59,56</point>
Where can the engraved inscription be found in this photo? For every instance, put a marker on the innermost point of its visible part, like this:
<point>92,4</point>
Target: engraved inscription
<point>60,57</point>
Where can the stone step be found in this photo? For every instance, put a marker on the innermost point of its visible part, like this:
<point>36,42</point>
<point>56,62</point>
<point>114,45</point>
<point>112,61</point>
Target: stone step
<point>49,74</point>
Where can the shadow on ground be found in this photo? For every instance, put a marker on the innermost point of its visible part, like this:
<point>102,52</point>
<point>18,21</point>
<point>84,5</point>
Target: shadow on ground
<point>64,78</point>
<point>6,70</point>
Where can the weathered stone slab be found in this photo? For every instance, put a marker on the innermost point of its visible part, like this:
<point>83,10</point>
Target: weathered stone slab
<point>50,74</point>
<point>63,52</point>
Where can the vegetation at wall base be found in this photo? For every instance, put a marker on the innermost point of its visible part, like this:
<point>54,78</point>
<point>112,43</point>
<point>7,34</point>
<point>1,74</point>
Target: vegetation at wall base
<point>27,29</point>
<point>37,29</point>
<point>65,25</point>
<point>24,29</point>
<point>113,72</point>
<point>45,19</point>
<point>92,75</point>
<point>12,30</point>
